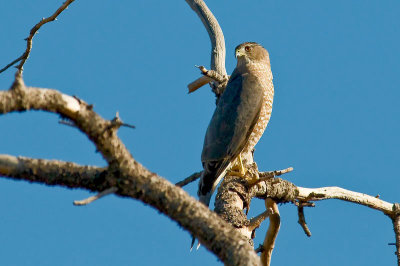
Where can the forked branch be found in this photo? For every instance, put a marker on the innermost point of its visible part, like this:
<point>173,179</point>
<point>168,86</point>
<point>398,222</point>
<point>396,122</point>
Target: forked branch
<point>214,32</point>
<point>128,178</point>
<point>208,76</point>
<point>131,178</point>
<point>32,33</point>
<point>217,43</point>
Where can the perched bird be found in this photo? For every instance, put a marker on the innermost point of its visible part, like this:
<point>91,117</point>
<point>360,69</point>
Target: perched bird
<point>242,114</point>
<point>240,118</point>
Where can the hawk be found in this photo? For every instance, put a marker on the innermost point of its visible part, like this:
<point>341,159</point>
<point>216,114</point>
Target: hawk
<point>240,118</point>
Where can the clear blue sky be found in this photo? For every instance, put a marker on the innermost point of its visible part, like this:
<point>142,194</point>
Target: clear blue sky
<point>335,120</point>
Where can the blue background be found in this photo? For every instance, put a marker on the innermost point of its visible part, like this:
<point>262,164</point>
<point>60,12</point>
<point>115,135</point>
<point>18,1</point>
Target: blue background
<point>335,120</point>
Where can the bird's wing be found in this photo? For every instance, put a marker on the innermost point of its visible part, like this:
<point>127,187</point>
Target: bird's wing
<point>233,121</point>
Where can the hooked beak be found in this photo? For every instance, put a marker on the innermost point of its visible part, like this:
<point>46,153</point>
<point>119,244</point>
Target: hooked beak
<point>238,53</point>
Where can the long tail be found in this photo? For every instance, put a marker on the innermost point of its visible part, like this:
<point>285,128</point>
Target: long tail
<point>213,172</point>
<point>209,180</point>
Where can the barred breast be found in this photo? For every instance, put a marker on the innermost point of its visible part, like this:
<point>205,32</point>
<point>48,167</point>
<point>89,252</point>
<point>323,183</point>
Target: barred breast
<point>264,74</point>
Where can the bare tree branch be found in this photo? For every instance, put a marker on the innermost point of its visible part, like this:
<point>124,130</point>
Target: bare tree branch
<point>131,178</point>
<point>198,83</point>
<point>272,233</point>
<point>234,195</point>
<point>89,200</point>
<point>32,33</point>
<point>256,221</point>
<point>302,220</point>
<point>214,32</point>
<point>263,176</point>
<point>12,63</point>
<point>52,172</point>
<point>213,74</point>
<point>189,179</point>
<point>127,178</point>
<point>315,194</point>
<point>209,75</point>
<point>217,42</point>
<point>396,227</point>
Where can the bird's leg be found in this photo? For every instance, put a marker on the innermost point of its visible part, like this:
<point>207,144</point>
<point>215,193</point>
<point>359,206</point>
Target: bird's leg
<point>242,170</point>
<point>238,169</point>
<point>246,172</point>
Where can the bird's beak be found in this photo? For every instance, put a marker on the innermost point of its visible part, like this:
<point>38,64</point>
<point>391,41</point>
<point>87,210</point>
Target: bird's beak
<point>238,53</point>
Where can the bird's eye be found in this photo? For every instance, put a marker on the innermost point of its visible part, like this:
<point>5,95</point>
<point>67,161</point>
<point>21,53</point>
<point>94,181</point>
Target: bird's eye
<point>247,48</point>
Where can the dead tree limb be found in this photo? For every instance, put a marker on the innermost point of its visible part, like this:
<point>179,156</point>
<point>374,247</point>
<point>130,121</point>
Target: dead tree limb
<point>302,220</point>
<point>127,178</point>
<point>217,43</point>
<point>208,76</point>
<point>189,179</point>
<point>32,33</point>
<point>214,32</point>
<point>272,233</point>
<point>316,194</point>
<point>127,175</point>
<point>234,195</point>
<point>395,216</point>
<point>49,171</point>
<point>89,200</point>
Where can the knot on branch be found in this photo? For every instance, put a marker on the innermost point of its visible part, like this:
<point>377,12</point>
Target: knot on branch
<point>280,190</point>
<point>396,210</point>
<point>18,81</point>
<point>116,123</point>
<point>217,81</point>
<point>18,89</point>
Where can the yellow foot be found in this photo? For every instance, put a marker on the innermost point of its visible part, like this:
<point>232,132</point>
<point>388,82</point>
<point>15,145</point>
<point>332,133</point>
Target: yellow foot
<point>250,179</point>
<point>239,170</point>
<point>235,173</point>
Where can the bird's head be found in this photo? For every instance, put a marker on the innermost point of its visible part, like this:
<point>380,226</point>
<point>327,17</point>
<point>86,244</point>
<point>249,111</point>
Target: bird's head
<point>251,52</point>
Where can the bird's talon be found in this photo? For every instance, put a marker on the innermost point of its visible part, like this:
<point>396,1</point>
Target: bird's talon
<point>235,173</point>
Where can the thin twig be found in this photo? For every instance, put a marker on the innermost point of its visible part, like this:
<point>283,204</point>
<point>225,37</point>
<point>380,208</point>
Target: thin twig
<point>302,220</point>
<point>272,233</point>
<point>213,74</point>
<point>11,64</point>
<point>271,174</point>
<point>304,204</point>
<point>198,83</point>
<point>117,123</point>
<point>32,33</point>
<point>208,76</point>
<point>189,179</point>
<point>275,173</point>
<point>89,200</point>
<point>256,221</point>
